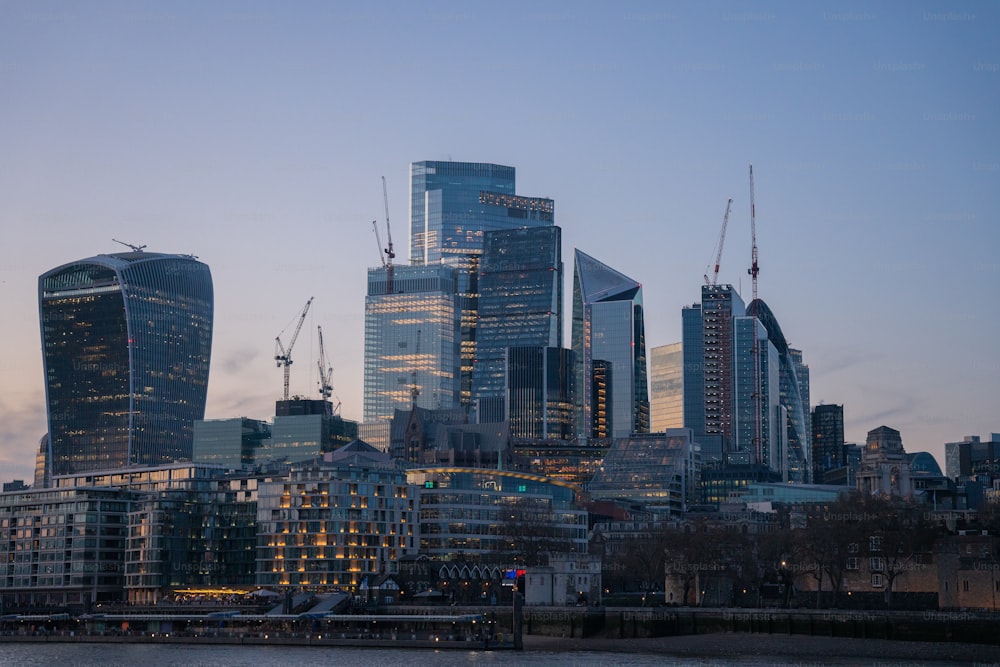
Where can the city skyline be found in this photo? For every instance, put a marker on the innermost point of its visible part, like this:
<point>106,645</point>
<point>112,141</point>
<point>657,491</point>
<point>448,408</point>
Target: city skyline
<point>255,138</point>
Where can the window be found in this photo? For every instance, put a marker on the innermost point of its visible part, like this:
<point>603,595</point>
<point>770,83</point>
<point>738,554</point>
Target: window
<point>875,543</point>
<point>878,581</point>
<point>876,564</point>
<point>852,564</point>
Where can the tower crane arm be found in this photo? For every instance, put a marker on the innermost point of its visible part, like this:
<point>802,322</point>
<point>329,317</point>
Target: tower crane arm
<point>282,354</point>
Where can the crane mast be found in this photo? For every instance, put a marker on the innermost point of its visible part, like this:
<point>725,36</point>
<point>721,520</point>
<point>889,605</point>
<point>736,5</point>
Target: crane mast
<point>753,271</point>
<point>722,240</point>
<point>389,253</point>
<point>282,354</point>
<point>325,372</point>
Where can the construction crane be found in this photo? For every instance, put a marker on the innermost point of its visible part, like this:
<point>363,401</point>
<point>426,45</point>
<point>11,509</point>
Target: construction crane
<point>282,354</point>
<point>753,271</point>
<point>385,253</point>
<point>135,248</point>
<point>325,372</point>
<point>722,240</point>
<point>414,388</point>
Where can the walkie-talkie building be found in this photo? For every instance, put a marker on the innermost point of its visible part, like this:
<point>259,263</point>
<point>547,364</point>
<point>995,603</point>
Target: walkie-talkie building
<point>126,346</point>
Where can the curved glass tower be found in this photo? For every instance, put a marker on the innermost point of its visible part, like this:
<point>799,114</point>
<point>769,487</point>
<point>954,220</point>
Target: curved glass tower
<point>126,346</point>
<point>790,389</point>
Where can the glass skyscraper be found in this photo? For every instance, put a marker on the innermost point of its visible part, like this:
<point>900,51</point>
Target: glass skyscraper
<point>126,346</point>
<point>452,206</point>
<point>666,387</point>
<point>539,385</point>
<point>411,343</point>
<point>609,334</point>
<point>520,304</point>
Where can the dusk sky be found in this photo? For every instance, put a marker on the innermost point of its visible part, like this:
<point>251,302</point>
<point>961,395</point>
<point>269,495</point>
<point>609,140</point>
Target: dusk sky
<point>255,135</point>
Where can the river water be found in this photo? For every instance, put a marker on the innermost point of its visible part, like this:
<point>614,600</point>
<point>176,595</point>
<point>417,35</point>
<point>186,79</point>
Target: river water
<point>189,655</point>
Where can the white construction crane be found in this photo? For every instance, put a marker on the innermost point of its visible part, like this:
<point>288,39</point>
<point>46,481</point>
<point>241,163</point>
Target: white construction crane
<point>325,372</point>
<point>722,240</point>
<point>283,355</point>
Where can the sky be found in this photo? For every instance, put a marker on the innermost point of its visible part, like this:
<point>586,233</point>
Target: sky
<point>255,136</point>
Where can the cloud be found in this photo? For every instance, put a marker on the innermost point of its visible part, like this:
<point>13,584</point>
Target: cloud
<point>236,361</point>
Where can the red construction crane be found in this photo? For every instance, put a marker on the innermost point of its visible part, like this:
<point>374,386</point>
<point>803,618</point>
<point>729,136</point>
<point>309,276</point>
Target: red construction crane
<point>718,254</point>
<point>283,355</point>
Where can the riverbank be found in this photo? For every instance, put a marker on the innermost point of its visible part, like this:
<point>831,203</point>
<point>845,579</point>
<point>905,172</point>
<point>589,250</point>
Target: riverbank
<point>735,644</point>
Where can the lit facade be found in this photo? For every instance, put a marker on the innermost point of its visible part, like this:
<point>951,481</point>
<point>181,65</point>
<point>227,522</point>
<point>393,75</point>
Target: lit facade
<point>331,524</point>
<point>126,345</point>
<point>666,387</point>
<point>608,327</point>
<point>411,341</point>
<point>520,304</point>
<point>452,206</point>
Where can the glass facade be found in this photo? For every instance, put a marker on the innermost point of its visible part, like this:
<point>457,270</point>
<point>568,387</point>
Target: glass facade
<point>232,443</point>
<point>520,304</point>
<point>452,206</point>
<point>666,387</point>
<point>793,379</point>
<point>411,344</point>
<point>540,393</point>
<point>656,470</point>
<point>747,387</point>
<point>126,341</point>
<point>608,327</point>
<point>494,516</point>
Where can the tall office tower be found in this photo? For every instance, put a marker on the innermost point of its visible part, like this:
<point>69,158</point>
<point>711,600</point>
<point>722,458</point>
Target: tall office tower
<point>666,387</point>
<point>539,385</point>
<point>126,345</point>
<point>411,346</point>
<point>802,374</point>
<point>828,440</point>
<point>756,387</point>
<point>708,338</point>
<point>793,387</point>
<point>452,206</point>
<point>520,304</point>
<point>608,335</point>
<point>233,443</point>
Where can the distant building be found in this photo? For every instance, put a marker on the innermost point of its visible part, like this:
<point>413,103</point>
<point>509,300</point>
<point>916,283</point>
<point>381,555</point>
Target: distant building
<point>452,207</point>
<point>566,581</point>
<point>233,443</point>
<point>666,387</point>
<point>885,469</point>
<point>304,429</point>
<point>126,346</point>
<point>519,304</point>
<point>497,516</point>
<point>334,521</point>
<point>411,342</point>
<point>609,346</point>
<point>441,437</point>
<point>658,471</point>
<point>827,440</point>
<point>973,458</point>
<point>540,393</point>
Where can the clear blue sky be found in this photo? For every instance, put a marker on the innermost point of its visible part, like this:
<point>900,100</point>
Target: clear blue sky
<point>254,135</point>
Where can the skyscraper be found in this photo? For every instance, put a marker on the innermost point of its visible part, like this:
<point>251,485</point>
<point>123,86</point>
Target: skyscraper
<point>793,395</point>
<point>828,440</point>
<point>520,304</point>
<point>609,335</point>
<point>126,345</point>
<point>411,344</point>
<point>452,206</point>
<point>539,383</point>
<point>709,365</point>
<point>666,387</point>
